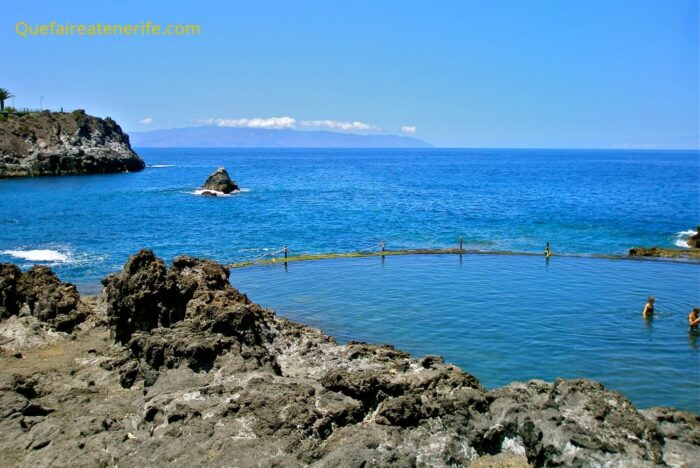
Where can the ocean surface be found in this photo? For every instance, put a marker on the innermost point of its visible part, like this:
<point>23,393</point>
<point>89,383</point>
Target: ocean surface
<point>315,201</point>
<point>347,200</point>
<point>505,318</point>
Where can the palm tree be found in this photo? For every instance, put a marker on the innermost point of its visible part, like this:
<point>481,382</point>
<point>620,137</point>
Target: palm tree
<point>4,94</point>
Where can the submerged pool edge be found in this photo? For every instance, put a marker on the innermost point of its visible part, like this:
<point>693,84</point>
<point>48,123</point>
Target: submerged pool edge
<point>458,252</point>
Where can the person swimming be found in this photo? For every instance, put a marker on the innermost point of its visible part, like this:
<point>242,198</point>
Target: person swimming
<point>694,318</point>
<point>547,251</point>
<point>648,311</point>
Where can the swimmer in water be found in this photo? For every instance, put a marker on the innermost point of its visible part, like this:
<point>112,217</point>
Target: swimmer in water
<point>648,311</point>
<point>694,318</point>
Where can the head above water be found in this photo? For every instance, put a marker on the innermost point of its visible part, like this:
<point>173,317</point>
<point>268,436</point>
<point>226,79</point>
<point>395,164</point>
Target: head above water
<point>696,310</point>
<point>650,299</point>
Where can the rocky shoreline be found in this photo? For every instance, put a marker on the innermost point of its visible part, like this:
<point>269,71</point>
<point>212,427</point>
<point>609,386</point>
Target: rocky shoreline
<point>664,252</point>
<point>176,366</point>
<point>63,143</point>
<point>692,252</point>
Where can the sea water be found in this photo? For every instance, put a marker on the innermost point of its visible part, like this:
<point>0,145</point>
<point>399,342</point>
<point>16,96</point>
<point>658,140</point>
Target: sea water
<point>503,318</point>
<point>345,200</point>
<point>506,318</point>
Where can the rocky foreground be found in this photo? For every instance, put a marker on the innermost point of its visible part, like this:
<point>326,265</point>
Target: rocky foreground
<point>62,143</point>
<point>175,366</point>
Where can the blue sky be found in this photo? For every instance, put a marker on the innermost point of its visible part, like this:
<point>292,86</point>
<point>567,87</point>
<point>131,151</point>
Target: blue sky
<point>576,74</point>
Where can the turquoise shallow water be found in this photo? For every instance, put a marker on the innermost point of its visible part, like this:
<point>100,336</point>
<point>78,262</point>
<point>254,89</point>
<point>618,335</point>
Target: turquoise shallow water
<point>506,318</point>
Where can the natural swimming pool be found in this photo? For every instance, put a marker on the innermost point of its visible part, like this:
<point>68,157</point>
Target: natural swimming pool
<point>506,318</point>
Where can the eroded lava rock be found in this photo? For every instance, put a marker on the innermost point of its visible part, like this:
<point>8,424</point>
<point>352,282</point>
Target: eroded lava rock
<point>694,240</point>
<point>178,367</point>
<point>59,143</point>
<point>219,182</point>
<point>39,293</point>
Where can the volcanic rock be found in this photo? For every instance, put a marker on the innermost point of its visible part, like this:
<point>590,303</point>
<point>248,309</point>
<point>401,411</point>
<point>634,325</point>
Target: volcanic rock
<point>58,143</point>
<point>694,240</point>
<point>219,181</point>
<point>41,294</point>
<point>663,252</point>
<point>177,367</point>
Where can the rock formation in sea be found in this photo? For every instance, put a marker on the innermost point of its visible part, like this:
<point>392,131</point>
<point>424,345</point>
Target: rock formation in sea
<point>59,143</point>
<point>174,366</point>
<point>694,240</point>
<point>219,182</point>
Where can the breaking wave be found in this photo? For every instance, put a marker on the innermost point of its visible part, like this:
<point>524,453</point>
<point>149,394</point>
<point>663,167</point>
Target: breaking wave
<point>682,238</point>
<point>55,256</point>
<point>38,255</point>
<point>217,193</point>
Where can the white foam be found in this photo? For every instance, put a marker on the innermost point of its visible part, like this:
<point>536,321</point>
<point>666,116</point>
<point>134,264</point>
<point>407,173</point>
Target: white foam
<point>682,238</point>
<point>38,255</point>
<point>217,193</point>
<point>158,166</point>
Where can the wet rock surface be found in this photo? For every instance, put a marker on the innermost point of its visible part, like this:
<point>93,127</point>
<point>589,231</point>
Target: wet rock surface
<point>59,143</point>
<point>664,252</point>
<point>175,366</point>
<point>219,182</point>
<point>694,240</point>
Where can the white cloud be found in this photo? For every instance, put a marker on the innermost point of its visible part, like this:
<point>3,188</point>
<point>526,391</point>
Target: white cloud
<point>146,121</point>
<point>271,122</point>
<point>290,122</point>
<point>408,129</point>
<point>338,125</point>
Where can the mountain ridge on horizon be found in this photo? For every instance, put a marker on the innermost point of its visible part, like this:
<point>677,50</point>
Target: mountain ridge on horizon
<point>235,137</point>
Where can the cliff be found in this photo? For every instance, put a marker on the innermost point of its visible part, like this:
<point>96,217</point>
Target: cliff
<point>174,366</point>
<point>61,143</point>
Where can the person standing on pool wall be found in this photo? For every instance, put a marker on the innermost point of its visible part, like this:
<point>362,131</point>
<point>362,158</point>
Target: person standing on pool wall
<point>694,318</point>
<point>547,251</point>
<point>648,311</point>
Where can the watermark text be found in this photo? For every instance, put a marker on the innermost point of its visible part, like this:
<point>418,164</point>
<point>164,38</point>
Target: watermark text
<point>147,28</point>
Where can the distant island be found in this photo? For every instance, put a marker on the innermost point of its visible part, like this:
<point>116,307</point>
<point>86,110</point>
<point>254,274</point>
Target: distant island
<point>229,137</point>
<point>45,143</point>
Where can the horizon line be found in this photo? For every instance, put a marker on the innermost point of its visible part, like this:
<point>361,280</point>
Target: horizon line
<point>432,147</point>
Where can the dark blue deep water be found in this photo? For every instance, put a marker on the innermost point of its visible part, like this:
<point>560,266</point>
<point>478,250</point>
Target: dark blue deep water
<point>345,200</point>
<point>582,315</point>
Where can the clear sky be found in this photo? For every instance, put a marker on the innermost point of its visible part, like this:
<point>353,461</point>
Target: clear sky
<point>457,73</point>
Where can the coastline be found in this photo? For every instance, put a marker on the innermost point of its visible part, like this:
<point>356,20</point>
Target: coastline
<point>93,288</point>
<point>241,385</point>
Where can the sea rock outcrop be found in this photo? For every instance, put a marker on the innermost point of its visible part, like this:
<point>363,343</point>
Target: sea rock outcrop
<point>39,293</point>
<point>189,314</point>
<point>663,252</point>
<point>59,143</point>
<point>178,367</point>
<point>694,240</point>
<point>219,182</point>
